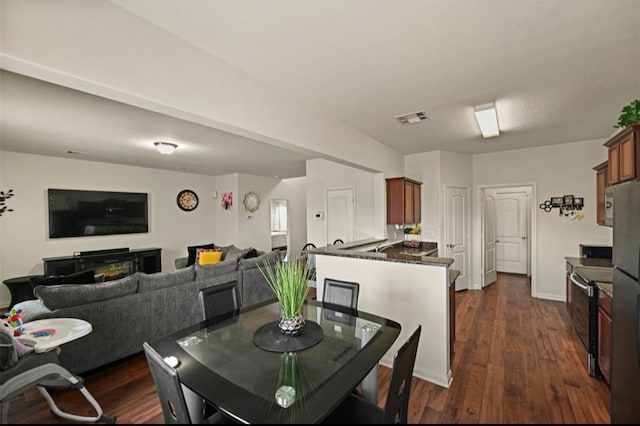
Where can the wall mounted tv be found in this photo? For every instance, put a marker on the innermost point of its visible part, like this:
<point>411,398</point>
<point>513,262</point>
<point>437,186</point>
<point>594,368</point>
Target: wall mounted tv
<point>77,213</point>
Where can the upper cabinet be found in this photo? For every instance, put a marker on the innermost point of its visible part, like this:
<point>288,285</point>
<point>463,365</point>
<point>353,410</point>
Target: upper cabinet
<point>624,155</point>
<point>404,197</point>
<point>602,181</point>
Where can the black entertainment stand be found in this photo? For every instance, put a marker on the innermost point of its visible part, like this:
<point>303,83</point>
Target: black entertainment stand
<point>113,263</point>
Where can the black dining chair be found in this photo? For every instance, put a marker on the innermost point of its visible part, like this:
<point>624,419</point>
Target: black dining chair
<point>338,242</point>
<point>343,293</point>
<point>220,300</point>
<point>310,261</point>
<point>180,405</point>
<point>356,410</point>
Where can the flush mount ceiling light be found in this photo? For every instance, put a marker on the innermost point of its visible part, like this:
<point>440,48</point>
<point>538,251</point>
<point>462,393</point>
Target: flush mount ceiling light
<point>413,118</point>
<point>165,148</point>
<point>487,118</point>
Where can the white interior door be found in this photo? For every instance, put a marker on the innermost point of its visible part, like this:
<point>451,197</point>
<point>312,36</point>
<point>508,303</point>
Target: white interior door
<point>511,232</point>
<point>490,270</point>
<point>340,216</point>
<point>456,238</point>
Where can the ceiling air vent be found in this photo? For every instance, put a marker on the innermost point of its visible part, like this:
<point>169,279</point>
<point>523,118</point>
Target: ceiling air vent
<point>71,152</point>
<point>413,118</point>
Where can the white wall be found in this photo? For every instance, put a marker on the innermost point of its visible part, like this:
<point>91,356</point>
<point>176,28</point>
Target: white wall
<point>555,170</point>
<point>227,220</point>
<point>123,57</point>
<point>24,232</point>
<point>323,175</point>
<point>255,228</point>
<point>425,168</point>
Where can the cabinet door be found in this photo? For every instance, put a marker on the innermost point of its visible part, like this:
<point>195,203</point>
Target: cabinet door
<point>605,330</point>
<point>417,203</point>
<point>408,202</point>
<point>601,181</point>
<point>627,158</point>
<point>614,164</point>
<point>395,201</point>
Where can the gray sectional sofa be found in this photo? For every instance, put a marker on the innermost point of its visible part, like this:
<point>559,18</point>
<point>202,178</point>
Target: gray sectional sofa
<point>141,307</point>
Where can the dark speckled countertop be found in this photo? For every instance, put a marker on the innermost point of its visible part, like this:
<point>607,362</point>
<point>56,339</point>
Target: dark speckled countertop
<point>395,252</point>
<point>587,262</point>
<point>606,288</point>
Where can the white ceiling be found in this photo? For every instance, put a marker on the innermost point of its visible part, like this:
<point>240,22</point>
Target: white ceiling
<point>558,71</point>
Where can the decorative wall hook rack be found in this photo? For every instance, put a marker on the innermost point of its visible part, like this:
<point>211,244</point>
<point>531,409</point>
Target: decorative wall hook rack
<point>568,206</point>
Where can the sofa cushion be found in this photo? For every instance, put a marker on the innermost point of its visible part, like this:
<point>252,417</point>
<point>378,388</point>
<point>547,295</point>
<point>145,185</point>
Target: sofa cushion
<point>229,252</point>
<point>66,295</point>
<point>208,256</point>
<point>204,272</point>
<point>271,257</point>
<point>191,259</point>
<point>158,280</point>
<point>248,253</point>
<point>82,277</point>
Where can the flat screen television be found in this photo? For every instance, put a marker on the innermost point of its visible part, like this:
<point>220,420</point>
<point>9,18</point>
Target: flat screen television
<point>78,213</point>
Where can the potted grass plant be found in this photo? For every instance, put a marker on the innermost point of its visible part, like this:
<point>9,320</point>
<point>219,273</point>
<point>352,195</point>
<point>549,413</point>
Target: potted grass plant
<point>288,280</point>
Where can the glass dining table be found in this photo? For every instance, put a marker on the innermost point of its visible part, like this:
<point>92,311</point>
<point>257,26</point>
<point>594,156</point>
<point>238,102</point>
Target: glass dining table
<point>221,361</point>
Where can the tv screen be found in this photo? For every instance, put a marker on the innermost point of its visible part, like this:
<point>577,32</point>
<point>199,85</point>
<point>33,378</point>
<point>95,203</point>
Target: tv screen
<point>77,213</point>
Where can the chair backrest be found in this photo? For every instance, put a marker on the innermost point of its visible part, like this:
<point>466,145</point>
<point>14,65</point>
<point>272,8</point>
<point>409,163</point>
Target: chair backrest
<point>338,242</point>
<point>174,406</point>
<point>397,405</point>
<point>343,293</point>
<point>310,260</point>
<point>220,300</point>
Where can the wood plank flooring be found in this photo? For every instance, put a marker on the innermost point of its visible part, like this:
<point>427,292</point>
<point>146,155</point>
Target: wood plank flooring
<point>517,360</point>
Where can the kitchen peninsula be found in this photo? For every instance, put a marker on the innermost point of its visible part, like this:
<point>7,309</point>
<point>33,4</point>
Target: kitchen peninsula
<point>409,285</point>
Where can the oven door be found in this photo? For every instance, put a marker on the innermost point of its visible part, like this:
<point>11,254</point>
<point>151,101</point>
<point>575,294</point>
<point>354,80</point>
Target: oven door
<point>584,318</point>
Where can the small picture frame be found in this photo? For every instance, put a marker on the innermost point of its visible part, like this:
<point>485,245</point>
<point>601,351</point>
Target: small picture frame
<point>578,202</point>
<point>568,200</point>
<point>557,201</point>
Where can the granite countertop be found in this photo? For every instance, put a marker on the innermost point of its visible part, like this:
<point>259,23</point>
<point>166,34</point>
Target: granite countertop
<point>606,288</point>
<point>453,275</point>
<point>395,252</point>
<point>587,262</point>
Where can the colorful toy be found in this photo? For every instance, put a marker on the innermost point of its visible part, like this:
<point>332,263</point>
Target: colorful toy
<point>15,345</point>
<point>14,318</point>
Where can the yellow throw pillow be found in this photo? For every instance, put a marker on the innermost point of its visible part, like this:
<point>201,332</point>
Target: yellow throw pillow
<point>209,257</point>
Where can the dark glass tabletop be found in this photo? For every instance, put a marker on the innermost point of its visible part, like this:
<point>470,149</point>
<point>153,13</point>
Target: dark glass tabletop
<point>222,363</point>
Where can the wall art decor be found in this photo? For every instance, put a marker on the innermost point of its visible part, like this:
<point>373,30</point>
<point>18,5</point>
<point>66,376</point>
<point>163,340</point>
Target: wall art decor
<point>568,205</point>
<point>4,196</point>
<point>227,200</point>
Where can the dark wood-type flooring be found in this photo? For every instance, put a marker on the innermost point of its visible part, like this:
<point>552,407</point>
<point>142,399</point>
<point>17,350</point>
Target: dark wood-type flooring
<point>517,360</point>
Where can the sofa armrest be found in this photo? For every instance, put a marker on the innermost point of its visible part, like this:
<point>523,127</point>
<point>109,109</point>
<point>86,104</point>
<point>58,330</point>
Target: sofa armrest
<point>181,262</point>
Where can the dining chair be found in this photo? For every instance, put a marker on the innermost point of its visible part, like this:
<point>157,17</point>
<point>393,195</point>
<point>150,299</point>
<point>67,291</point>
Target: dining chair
<point>220,300</point>
<point>338,242</point>
<point>356,410</point>
<point>180,405</point>
<point>310,260</point>
<point>343,293</point>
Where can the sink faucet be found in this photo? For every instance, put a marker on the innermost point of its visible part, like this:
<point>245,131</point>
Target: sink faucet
<point>378,249</point>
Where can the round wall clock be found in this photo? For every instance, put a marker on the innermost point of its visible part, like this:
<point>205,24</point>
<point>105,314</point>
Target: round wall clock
<point>187,200</point>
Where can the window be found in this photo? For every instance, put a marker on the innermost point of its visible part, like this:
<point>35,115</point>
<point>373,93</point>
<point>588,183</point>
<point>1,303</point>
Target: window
<point>279,216</point>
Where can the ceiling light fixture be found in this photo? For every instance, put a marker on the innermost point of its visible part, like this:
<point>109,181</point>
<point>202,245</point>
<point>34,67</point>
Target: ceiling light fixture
<point>487,118</point>
<point>165,148</point>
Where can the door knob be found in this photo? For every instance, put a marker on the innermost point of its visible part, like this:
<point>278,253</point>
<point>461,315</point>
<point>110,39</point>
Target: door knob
<point>524,238</point>
<point>497,241</point>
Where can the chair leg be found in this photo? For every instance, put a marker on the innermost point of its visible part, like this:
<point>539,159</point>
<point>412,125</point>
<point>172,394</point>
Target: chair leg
<point>369,386</point>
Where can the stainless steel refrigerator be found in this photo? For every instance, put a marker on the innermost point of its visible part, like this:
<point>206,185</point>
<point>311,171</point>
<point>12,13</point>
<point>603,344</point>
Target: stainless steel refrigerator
<point>625,362</point>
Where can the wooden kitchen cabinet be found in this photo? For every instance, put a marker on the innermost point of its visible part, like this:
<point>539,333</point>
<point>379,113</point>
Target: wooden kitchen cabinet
<point>605,331</point>
<point>404,197</point>
<point>624,155</point>
<point>602,181</point>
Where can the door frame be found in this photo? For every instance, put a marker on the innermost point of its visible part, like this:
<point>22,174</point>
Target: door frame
<point>531,231</point>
